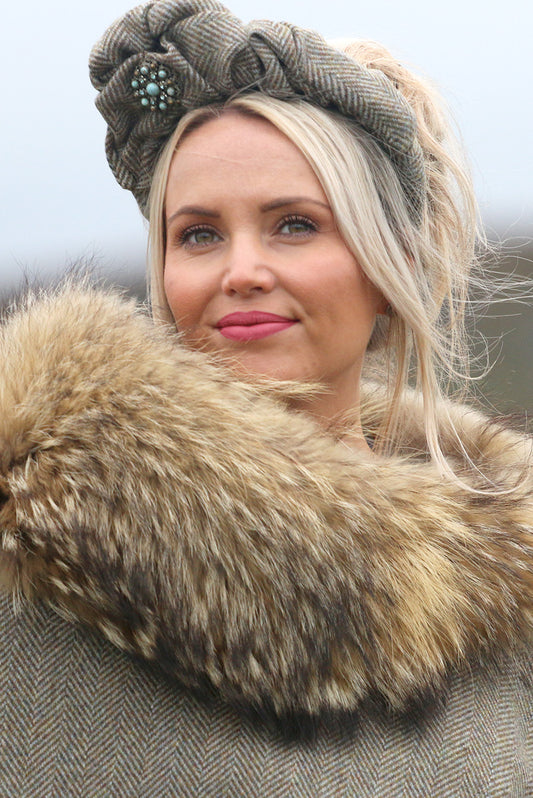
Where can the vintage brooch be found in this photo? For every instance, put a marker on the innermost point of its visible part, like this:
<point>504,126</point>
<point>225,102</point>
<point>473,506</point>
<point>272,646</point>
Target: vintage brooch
<point>154,86</point>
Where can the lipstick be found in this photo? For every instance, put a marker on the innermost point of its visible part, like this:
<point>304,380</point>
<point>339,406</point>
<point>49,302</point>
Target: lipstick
<point>252,325</point>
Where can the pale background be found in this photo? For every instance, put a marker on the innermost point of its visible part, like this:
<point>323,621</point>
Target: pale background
<point>61,202</point>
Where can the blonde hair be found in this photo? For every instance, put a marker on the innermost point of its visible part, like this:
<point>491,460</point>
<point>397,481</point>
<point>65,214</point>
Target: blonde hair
<point>421,268</point>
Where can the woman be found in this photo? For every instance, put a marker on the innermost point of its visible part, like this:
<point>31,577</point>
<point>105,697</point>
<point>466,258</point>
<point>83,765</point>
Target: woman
<point>299,549</point>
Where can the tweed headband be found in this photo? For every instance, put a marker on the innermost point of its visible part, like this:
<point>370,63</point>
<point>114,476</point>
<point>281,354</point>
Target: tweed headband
<point>167,57</point>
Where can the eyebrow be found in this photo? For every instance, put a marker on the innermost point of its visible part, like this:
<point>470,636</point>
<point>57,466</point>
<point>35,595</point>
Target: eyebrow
<point>198,210</point>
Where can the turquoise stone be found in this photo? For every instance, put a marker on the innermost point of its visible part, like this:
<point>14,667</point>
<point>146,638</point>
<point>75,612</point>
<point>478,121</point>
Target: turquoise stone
<point>163,106</point>
<point>171,92</point>
<point>145,101</point>
<point>144,70</point>
<point>152,89</point>
<point>162,73</point>
<point>134,84</point>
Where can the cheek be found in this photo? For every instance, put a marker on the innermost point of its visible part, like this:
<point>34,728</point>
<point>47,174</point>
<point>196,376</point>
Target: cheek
<point>184,298</point>
<point>346,295</point>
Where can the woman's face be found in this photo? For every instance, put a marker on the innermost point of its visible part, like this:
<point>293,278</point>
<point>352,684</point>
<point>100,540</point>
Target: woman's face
<point>255,267</point>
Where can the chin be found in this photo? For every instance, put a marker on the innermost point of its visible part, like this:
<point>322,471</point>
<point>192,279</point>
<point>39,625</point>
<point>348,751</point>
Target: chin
<point>252,365</point>
<point>245,362</point>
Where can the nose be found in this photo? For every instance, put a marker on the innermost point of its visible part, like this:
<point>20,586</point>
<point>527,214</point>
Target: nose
<point>247,269</point>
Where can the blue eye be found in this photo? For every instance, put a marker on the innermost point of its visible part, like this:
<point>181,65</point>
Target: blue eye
<point>296,226</point>
<point>198,237</point>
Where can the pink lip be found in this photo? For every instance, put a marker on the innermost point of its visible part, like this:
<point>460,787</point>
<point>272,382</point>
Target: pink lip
<point>252,325</point>
<point>243,319</point>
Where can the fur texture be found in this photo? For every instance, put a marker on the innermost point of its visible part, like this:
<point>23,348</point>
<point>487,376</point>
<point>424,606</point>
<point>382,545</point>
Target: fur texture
<point>199,523</point>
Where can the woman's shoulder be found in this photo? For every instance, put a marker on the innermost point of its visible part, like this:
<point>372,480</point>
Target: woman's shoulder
<point>83,717</point>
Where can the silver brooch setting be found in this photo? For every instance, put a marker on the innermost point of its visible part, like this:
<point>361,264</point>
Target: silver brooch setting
<point>155,87</point>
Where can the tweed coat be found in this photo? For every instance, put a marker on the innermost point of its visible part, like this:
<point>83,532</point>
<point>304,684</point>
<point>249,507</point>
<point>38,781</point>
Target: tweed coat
<point>204,595</point>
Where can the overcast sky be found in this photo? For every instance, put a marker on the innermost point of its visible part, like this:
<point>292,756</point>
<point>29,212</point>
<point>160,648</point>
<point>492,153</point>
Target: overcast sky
<point>60,200</point>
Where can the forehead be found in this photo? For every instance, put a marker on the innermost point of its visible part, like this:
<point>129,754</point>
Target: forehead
<point>238,147</point>
<point>234,130</point>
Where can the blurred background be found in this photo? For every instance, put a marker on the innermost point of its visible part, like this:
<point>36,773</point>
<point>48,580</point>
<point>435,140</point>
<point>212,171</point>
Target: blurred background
<point>61,203</point>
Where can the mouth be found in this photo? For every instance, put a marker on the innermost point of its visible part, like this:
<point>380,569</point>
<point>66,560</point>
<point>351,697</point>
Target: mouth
<point>253,325</point>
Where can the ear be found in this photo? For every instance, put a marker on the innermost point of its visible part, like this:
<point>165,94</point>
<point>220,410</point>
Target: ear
<point>383,307</point>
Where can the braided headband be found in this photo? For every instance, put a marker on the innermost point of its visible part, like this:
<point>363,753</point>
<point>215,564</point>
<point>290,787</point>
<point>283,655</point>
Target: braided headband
<point>167,57</point>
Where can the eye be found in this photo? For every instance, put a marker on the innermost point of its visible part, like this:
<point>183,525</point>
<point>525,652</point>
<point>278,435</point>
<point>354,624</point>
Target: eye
<point>296,226</point>
<point>198,236</point>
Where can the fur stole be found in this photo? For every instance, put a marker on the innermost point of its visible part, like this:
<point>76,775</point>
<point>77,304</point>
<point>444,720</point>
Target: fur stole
<point>200,524</point>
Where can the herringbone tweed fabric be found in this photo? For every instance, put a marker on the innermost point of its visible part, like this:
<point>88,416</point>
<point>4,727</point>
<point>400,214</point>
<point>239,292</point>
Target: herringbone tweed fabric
<point>211,56</point>
<point>79,718</point>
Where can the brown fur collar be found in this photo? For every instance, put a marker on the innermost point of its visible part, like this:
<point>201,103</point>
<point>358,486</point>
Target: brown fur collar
<point>199,523</point>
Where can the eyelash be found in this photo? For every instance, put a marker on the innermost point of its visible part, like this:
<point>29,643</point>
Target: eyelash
<point>298,219</point>
<point>287,220</point>
<point>197,228</point>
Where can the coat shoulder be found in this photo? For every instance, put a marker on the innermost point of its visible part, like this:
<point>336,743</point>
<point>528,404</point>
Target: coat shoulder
<point>104,712</point>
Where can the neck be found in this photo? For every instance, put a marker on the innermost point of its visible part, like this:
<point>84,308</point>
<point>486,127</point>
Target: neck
<point>338,417</point>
